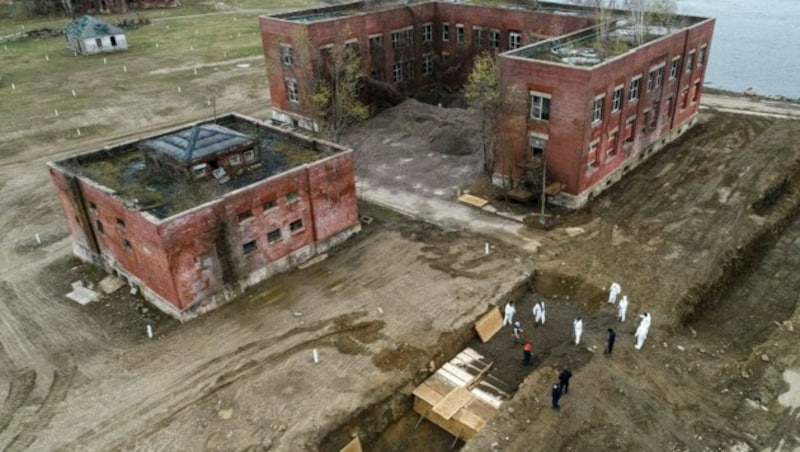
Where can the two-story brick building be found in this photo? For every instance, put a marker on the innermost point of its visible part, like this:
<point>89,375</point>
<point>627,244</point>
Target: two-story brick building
<point>599,100</point>
<point>193,216</point>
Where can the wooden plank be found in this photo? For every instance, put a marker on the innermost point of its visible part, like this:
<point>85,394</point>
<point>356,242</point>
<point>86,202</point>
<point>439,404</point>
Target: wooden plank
<point>471,420</point>
<point>352,446</point>
<point>452,402</point>
<point>440,384</point>
<point>473,200</point>
<point>462,376</point>
<point>428,394</point>
<point>489,324</point>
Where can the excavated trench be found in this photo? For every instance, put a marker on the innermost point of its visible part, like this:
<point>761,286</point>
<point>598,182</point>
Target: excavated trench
<point>392,425</point>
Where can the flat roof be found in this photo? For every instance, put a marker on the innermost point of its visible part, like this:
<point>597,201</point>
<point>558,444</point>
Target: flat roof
<point>137,174</point>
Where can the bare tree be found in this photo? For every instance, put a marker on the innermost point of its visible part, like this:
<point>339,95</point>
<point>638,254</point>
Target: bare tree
<point>603,12</point>
<point>482,92</point>
<point>645,13</point>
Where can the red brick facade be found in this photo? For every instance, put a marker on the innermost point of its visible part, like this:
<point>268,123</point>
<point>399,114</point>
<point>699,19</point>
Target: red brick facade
<point>584,154</point>
<point>207,254</point>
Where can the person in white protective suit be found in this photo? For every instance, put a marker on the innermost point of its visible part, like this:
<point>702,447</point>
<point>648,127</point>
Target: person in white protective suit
<point>509,312</point>
<point>613,291</point>
<point>642,330</point>
<point>577,325</point>
<point>622,308</point>
<point>538,313</point>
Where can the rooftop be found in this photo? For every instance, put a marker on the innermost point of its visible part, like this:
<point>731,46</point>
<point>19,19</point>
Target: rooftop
<point>136,174</point>
<point>89,27</point>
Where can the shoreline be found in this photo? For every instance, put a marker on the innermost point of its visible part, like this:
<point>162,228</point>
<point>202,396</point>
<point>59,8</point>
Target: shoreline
<point>750,94</point>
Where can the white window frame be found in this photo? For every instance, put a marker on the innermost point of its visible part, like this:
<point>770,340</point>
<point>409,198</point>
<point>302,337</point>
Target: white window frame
<point>397,72</point>
<point>287,54</point>
<point>460,34</point>
<point>636,85</point>
<point>514,40</point>
<point>537,109</point>
<point>292,94</point>
<point>651,80</point>
<point>701,55</point>
<point>673,69</point>
<point>427,32</point>
<point>660,76</point>
<point>597,109</point>
<point>235,160</point>
<point>616,98</point>
<point>495,39</point>
<point>445,32</point>
<point>249,155</point>
<point>427,63</point>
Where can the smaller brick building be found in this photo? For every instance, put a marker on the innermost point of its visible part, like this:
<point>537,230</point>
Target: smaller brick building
<point>193,216</point>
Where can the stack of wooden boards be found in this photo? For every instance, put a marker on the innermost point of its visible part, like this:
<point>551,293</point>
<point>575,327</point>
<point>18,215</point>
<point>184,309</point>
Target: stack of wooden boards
<point>462,396</point>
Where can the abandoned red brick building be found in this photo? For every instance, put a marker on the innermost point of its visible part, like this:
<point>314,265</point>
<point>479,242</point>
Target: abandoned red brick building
<point>599,97</point>
<point>193,216</point>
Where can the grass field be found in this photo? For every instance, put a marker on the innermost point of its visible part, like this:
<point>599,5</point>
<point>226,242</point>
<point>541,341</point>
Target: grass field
<point>171,70</point>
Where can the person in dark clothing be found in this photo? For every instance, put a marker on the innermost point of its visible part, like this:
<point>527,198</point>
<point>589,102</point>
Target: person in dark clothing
<point>563,381</point>
<point>556,395</point>
<point>526,355</point>
<point>612,336</point>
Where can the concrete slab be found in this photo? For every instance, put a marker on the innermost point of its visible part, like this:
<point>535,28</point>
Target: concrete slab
<point>82,295</point>
<point>111,284</point>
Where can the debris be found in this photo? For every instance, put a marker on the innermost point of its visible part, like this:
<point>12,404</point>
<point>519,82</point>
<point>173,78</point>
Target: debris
<point>680,347</point>
<point>380,310</point>
<point>38,239</point>
<point>81,294</point>
<point>110,284</point>
<point>788,325</point>
<point>764,357</point>
<point>366,219</point>
<point>297,314</point>
<point>149,331</point>
<point>225,414</point>
<point>574,231</point>
<point>315,354</point>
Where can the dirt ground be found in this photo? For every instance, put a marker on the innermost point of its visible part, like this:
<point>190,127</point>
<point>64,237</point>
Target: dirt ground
<point>704,236</point>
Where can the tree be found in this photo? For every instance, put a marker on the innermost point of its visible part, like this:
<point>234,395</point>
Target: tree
<point>335,101</point>
<point>483,93</point>
<point>644,13</point>
<point>603,13</point>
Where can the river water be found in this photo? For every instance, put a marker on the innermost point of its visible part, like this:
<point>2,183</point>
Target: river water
<point>756,44</point>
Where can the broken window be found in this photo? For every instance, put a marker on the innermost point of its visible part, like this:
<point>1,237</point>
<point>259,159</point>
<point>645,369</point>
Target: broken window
<point>408,70</point>
<point>397,71</point>
<point>271,204</point>
<point>445,32</point>
<point>403,38</point>
<point>250,155</point>
<point>630,129</point>
<point>296,225</point>
<point>651,81</point>
<point>427,64</point>
<point>494,39</point>
<point>292,197</point>
<point>616,99</point>
<point>696,95</point>
<point>99,226</point>
<point>591,157</point>
<point>612,143</point>
<point>540,106</point>
<point>375,43</point>
<point>659,76</point>
<point>459,33</point>
<point>93,207</point>
<point>597,109</point>
<point>99,42</point>
<point>235,160</point>
<point>633,95</point>
<point>113,41</point>
<point>274,235</point>
<point>291,91</point>
<point>246,215</point>
<point>673,69</point>
<point>120,224</point>
<point>249,247</point>
<point>690,61</point>
<point>514,39</point>
<point>127,244</point>
<point>701,57</point>
<point>287,55</point>
<point>427,32</point>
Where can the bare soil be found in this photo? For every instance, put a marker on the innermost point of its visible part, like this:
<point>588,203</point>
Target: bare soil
<point>688,235</point>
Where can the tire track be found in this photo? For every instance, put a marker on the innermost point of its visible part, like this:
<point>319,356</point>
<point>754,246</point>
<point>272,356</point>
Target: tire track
<point>21,386</point>
<point>62,380</point>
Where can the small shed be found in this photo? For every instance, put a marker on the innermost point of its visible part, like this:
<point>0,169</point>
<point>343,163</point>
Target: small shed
<point>87,36</point>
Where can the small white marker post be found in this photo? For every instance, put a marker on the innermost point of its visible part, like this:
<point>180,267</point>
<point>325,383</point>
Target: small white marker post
<point>156,45</point>
<point>105,60</point>
<point>56,112</point>
<point>13,86</point>
<point>73,93</point>
<point>315,354</point>
<point>486,248</point>
<point>195,71</point>
<point>124,68</point>
<point>46,57</point>
<point>38,239</point>
<point>79,131</point>
<point>226,54</point>
<point>149,331</point>
<point>191,48</point>
<point>179,89</point>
